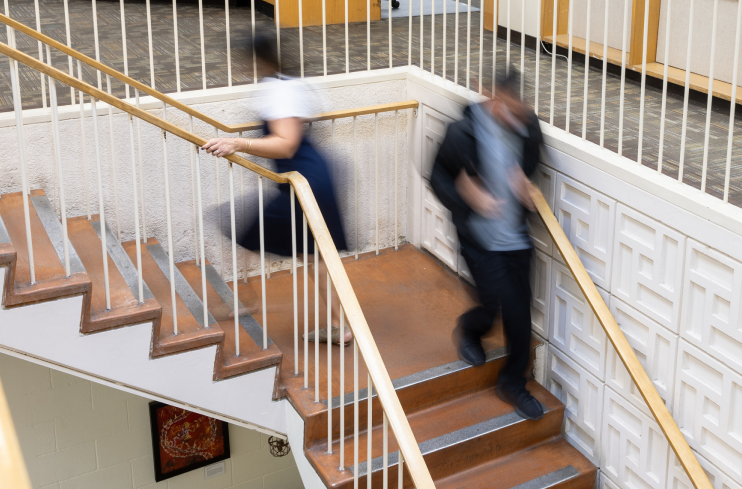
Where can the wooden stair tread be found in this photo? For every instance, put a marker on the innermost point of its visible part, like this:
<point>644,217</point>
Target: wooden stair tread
<point>480,414</point>
<point>526,466</point>
<point>46,261</point>
<point>190,333</point>
<point>252,356</point>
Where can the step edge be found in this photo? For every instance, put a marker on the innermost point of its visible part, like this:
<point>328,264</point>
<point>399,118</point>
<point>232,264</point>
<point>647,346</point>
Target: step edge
<point>4,236</point>
<point>54,231</point>
<point>551,479</point>
<point>194,304</point>
<point>123,263</point>
<point>420,377</point>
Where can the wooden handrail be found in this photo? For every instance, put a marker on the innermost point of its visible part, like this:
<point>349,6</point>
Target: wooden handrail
<point>627,355</point>
<point>13,472</point>
<point>382,382</point>
<point>234,128</point>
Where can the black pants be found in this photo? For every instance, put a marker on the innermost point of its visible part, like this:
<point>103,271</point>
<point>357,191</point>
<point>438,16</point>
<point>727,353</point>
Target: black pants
<point>503,284</point>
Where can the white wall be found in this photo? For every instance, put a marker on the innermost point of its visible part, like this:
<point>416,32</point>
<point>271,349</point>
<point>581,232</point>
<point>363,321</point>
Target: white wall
<point>672,279</point>
<point>77,434</point>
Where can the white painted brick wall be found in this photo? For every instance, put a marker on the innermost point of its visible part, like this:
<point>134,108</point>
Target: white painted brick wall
<point>76,434</point>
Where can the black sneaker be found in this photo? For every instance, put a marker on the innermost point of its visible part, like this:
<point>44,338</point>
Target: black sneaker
<point>469,349</point>
<point>524,403</point>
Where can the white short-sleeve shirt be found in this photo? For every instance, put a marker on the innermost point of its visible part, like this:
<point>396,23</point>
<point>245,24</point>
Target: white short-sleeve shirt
<point>285,98</point>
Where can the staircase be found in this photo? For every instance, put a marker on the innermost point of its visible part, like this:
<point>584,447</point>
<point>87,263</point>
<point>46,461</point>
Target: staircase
<point>468,437</point>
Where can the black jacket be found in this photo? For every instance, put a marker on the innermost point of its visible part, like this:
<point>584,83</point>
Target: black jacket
<point>459,151</point>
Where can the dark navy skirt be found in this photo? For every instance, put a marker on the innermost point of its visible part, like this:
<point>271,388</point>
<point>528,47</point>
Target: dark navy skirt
<point>277,213</point>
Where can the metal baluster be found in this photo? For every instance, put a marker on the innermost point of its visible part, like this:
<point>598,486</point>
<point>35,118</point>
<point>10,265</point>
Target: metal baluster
<point>252,33</point>
<point>203,246</point>
<point>396,147</point>
<point>58,158</point>
<point>203,49</point>
<point>219,210</point>
<point>293,273</point>
<point>391,60</point>
<point>421,33</point>
<point>193,193</point>
<point>170,235</point>
<point>69,45</point>
<point>329,362</point>
<point>262,262</point>
<point>538,57</point>
<point>432,36</point>
<point>570,28</point>
<point>229,43</point>
<point>137,236</point>
<point>41,51</point>
<point>114,177</point>
<point>409,34</point>
<point>306,301</point>
<point>177,51</point>
<point>235,278</point>
<point>626,5</point>
<point>368,33</point>
<point>123,42</point>
<point>686,95</point>
<point>455,46</point>
<point>316,322</point>
<point>347,49</point>
<point>496,5</point>
<point>356,421</point>
<point>587,73</point>
<point>18,109</point>
<point>376,175</point>
<point>341,434</point>
<point>245,254</point>
<point>400,465</point>
<point>732,104</point>
<point>605,73</point>
<point>97,41</point>
<point>84,145</point>
<point>664,88</point>
<point>445,27</point>
<point>523,48</point>
<point>324,36</point>
<point>555,17</point>
<point>101,205</point>
<point>644,81</point>
<point>507,37</point>
<point>481,47</point>
<point>278,33</point>
<point>369,432</point>
<point>151,55</point>
<point>468,43</point>
<point>301,38</point>
<point>141,171</point>
<point>355,181</point>
<point>709,100</point>
<point>385,449</point>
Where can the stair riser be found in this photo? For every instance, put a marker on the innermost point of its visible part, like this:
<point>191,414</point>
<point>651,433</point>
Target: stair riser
<point>412,398</point>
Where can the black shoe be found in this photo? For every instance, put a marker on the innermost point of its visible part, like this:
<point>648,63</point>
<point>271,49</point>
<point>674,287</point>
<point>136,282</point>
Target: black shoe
<point>469,349</point>
<point>524,403</point>
<point>395,4</point>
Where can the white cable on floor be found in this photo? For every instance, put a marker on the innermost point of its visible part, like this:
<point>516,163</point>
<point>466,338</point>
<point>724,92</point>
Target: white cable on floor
<point>548,52</point>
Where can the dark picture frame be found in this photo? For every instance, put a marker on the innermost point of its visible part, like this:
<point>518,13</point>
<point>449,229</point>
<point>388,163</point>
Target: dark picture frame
<point>177,456</point>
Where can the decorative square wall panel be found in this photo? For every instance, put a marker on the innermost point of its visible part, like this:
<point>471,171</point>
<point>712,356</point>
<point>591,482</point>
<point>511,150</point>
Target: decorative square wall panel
<point>656,348</point>
<point>678,479</point>
<point>712,301</point>
<point>434,131</point>
<point>634,451</point>
<point>605,483</point>
<point>545,179</point>
<point>582,395</point>
<point>587,218</point>
<point>574,328</point>
<point>648,266</point>
<point>439,233</point>
<point>708,408</point>
<point>541,293</point>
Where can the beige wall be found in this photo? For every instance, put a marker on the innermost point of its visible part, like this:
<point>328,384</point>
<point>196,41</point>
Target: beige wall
<point>76,434</point>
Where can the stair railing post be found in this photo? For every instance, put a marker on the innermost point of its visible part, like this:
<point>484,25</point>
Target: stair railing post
<point>341,404</point>
<point>141,171</point>
<point>84,145</point>
<point>219,206</point>
<point>316,322</point>
<point>369,431</point>
<point>200,214</point>
<point>193,194</point>
<point>329,362</point>
<point>169,215</point>
<point>140,281</point>
<point>58,159</point>
<point>229,43</point>
<point>18,109</point>
<point>356,413</point>
<point>295,286</point>
<point>113,163</point>
<point>376,175</point>
<point>385,448</point>
<point>306,300</point>
<point>235,273</point>
<point>101,204</point>
<point>396,160</point>
<point>262,262</point>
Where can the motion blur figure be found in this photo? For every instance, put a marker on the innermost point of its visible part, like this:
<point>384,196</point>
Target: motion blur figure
<point>283,112</point>
<point>481,175</point>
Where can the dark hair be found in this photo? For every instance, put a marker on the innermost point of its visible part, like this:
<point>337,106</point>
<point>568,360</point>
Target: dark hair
<point>508,81</point>
<point>265,47</point>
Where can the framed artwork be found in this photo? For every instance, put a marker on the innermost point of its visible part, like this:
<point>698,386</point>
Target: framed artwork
<point>183,441</point>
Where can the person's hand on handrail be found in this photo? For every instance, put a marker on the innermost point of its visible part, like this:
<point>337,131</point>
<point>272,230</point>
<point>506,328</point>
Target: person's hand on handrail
<point>282,142</point>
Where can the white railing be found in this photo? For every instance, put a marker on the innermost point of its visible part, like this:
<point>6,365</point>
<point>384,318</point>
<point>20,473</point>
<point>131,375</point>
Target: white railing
<point>363,345</point>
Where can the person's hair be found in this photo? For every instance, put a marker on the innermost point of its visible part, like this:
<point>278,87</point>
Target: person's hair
<point>508,81</point>
<point>265,47</point>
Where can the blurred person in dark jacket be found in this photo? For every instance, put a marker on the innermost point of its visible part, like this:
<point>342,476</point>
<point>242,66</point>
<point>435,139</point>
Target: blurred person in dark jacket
<point>481,175</point>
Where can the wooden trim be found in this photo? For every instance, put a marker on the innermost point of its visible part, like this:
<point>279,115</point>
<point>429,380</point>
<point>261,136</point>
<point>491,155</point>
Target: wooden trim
<point>620,343</point>
<point>636,41</point>
<point>383,383</point>
<point>547,18</point>
<point>488,6</point>
<point>698,83</point>
<point>596,49</point>
<point>234,128</point>
<point>12,466</point>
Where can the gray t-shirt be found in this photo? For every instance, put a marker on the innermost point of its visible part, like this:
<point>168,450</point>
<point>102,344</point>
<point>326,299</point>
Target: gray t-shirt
<point>499,151</point>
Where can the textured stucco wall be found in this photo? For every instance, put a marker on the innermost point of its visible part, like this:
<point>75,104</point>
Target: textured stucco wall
<point>239,107</point>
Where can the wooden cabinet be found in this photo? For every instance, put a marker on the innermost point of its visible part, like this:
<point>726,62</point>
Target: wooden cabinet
<point>335,11</point>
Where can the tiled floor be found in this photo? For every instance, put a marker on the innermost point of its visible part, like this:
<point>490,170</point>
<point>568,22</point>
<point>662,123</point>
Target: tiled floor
<point>190,63</point>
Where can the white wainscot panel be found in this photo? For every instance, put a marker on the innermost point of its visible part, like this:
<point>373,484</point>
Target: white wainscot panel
<point>678,479</point>
<point>439,233</point>
<point>712,299</point>
<point>541,292</point>
<point>634,449</point>
<point>582,395</point>
<point>434,132</point>
<point>708,408</point>
<point>545,179</point>
<point>574,327</point>
<point>656,349</point>
<point>587,218</point>
<point>648,266</point>
<point>605,483</point>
